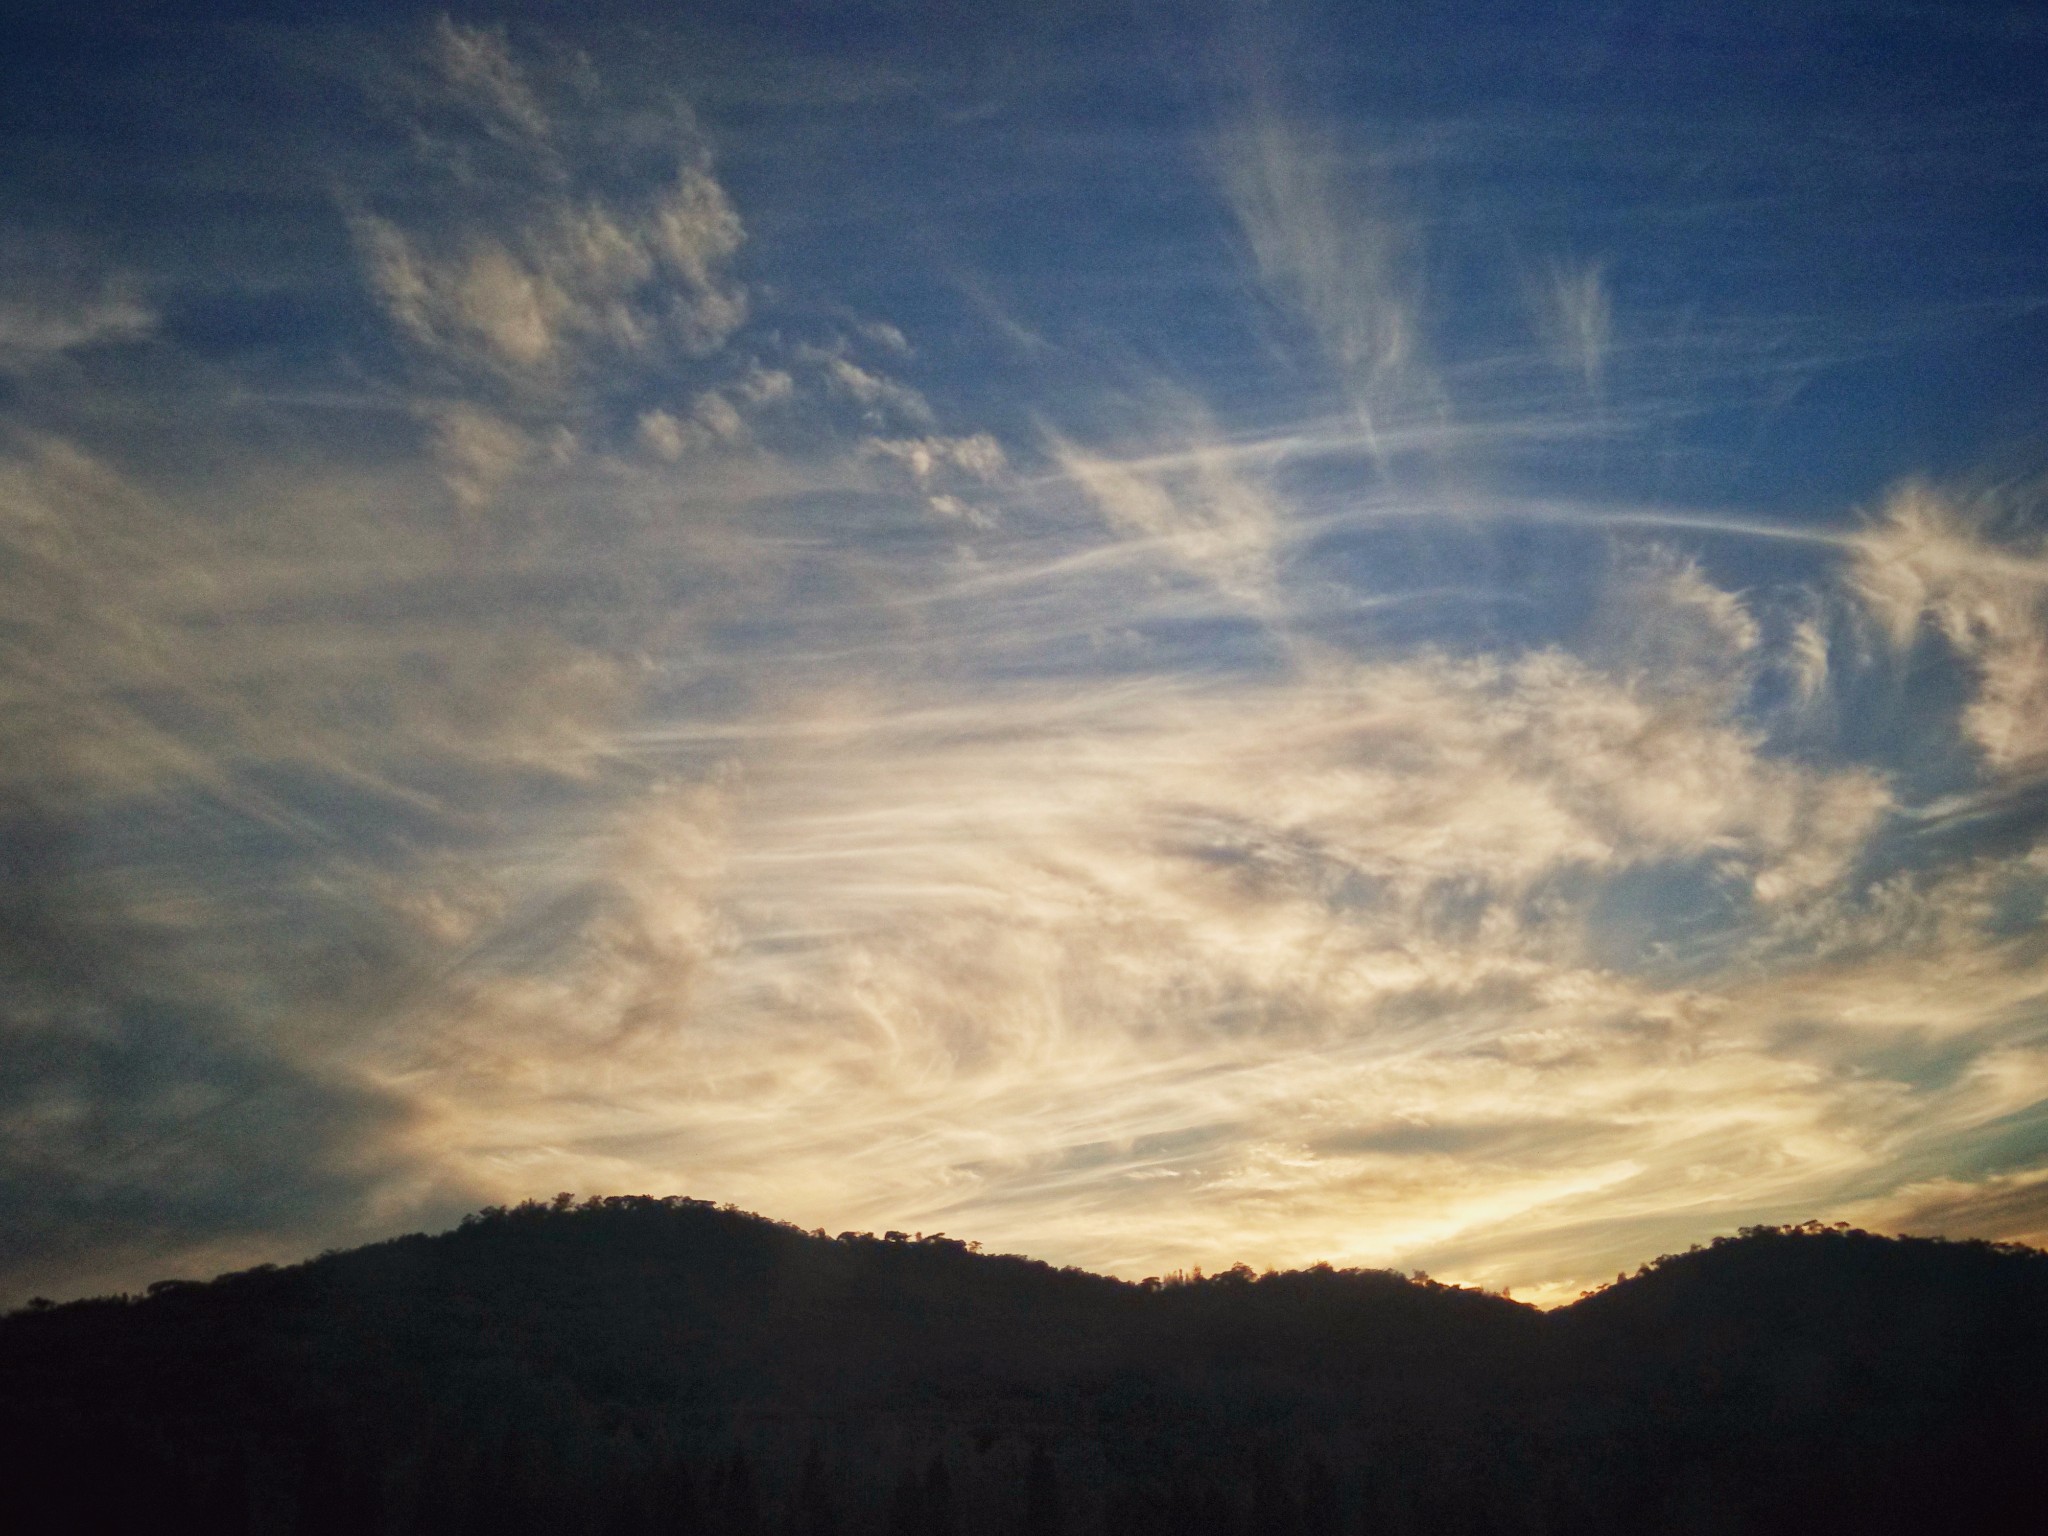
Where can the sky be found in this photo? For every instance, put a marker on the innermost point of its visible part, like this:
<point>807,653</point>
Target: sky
<point>1156,635</point>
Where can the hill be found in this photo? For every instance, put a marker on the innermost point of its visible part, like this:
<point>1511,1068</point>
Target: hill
<point>630,1366</point>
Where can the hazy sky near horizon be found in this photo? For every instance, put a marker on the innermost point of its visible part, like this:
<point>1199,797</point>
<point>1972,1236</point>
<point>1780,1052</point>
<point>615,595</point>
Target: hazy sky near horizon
<point>1154,634</point>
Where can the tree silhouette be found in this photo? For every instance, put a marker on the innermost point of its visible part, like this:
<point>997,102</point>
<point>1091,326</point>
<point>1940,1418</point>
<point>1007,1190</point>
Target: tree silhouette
<point>739,1501</point>
<point>814,1514</point>
<point>906,1506</point>
<point>1042,1515</point>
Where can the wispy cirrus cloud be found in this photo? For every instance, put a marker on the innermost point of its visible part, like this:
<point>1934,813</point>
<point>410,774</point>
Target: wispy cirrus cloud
<point>1932,560</point>
<point>37,327</point>
<point>1328,235</point>
<point>674,727</point>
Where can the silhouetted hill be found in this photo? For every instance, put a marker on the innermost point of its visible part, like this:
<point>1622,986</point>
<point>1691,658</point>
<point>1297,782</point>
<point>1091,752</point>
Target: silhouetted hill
<point>631,1366</point>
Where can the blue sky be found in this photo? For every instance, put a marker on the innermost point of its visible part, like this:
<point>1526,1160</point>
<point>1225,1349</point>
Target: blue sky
<point>1154,635</point>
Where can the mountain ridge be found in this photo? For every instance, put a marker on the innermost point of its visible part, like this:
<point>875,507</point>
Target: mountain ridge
<point>631,1365</point>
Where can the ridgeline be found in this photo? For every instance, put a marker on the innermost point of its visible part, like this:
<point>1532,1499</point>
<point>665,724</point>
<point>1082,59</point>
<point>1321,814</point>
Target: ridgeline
<point>631,1366</point>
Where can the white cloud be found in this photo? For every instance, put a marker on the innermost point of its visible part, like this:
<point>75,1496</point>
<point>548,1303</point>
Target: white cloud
<point>1146,973</point>
<point>480,451</point>
<point>942,466</point>
<point>765,386</point>
<point>662,435</point>
<point>1193,507</point>
<point>712,423</point>
<point>887,336</point>
<point>534,277</point>
<point>979,457</point>
<point>1930,560</point>
<point>886,401</point>
<point>717,416</point>
<point>1808,660</point>
<point>1327,237</point>
<point>477,63</point>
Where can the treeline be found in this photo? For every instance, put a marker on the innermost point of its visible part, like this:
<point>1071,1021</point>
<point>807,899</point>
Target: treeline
<point>629,1366</point>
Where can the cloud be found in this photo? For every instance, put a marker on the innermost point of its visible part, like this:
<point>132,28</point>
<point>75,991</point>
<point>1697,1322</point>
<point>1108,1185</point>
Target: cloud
<point>652,728</point>
<point>1808,661</point>
<point>1190,503</point>
<point>227,747</point>
<point>36,327</point>
<point>588,280</point>
<point>999,959</point>
<point>306,755</point>
<point>712,423</point>
<point>979,457</point>
<point>477,63</point>
<point>2006,1207</point>
<point>765,386</point>
<point>885,402</point>
<point>1675,630</point>
<point>136,1123</point>
<point>941,466</point>
<point>1327,236</point>
<point>1928,559</point>
<point>543,269</point>
<point>1311,960</point>
<point>482,452</point>
<point>1574,318</point>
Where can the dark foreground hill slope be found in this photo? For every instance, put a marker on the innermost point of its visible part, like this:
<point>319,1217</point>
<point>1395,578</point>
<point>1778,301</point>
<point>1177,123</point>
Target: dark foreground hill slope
<point>637,1366</point>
